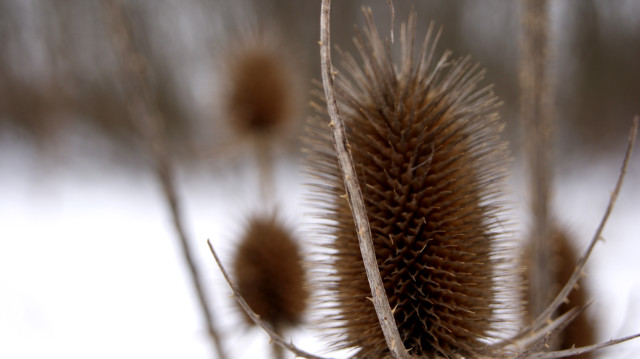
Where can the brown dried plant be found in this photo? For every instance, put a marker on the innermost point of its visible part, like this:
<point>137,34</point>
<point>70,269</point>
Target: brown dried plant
<point>260,89</point>
<point>412,191</point>
<point>582,331</point>
<point>432,251</point>
<point>261,104</point>
<point>425,145</point>
<point>549,257</point>
<point>268,268</point>
<point>261,96</point>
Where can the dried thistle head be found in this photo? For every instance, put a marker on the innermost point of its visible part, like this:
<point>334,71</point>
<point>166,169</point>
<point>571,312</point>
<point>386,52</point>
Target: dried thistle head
<point>269,273</point>
<point>581,332</point>
<point>424,140</point>
<point>261,91</point>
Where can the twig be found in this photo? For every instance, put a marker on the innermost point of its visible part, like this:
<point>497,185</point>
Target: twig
<point>354,195</point>
<point>577,351</point>
<point>275,337</point>
<point>568,287</point>
<point>557,326</point>
<point>147,121</point>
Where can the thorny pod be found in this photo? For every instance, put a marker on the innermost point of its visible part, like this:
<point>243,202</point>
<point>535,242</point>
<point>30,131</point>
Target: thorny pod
<point>425,143</point>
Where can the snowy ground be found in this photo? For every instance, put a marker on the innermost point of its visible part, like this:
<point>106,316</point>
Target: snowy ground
<point>89,266</point>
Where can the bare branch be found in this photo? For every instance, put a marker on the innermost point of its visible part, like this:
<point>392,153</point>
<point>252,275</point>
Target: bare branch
<point>354,195</point>
<point>147,121</point>
<point>568,287</point>
<point>576,351</point>
<point>555,328</point>
<point>275,337</point>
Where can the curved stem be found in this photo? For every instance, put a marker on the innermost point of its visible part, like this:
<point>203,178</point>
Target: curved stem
<point>354,195</point>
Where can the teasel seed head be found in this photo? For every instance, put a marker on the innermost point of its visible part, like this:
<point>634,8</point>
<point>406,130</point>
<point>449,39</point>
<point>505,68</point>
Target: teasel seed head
<point>261,88</point>
<point>269,273</point>
<point>564,257</point>
<point>425,143</point>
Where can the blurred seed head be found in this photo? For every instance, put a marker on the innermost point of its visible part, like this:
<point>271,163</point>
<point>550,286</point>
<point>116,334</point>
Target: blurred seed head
<point>269,272</point>
<point>261,94</point>
<point>425,142</point>
<point>582,331</point>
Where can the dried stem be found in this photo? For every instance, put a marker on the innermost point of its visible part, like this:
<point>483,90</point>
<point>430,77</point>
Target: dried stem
<point>354,195</point>
<point>147,121</point>
<point>576,351</point>
<point>275,337</point>
<point>568,287</point>
<point>537,123</point>
<point>543,323</point>
<point>560,324</point>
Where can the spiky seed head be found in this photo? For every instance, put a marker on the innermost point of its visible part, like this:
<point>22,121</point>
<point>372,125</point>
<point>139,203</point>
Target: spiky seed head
<point>425,142</point>
<point>269,272</point>
<point>261,96</point>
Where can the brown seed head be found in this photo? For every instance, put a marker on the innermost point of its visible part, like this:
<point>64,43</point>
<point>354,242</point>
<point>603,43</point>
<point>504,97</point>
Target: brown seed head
<point>261,98</point>
<point>424,140</point>
<point>582,331</point>
<point>269,273</point>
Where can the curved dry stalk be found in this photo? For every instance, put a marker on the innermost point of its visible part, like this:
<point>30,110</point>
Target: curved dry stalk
<point>354,195</point>
<point>275,337</point>
<point>542,322</point>
<point>147,121</point>
<point>576,351</point>
<point>568,287</point>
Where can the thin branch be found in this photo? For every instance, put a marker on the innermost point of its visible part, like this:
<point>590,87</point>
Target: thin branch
<point>354,195</point>
<point>523,342</point>
<point>568,287</point>
<point>555,328</point>
<point>148,122</point>
<point>275,337</point>
<point>576,351</point>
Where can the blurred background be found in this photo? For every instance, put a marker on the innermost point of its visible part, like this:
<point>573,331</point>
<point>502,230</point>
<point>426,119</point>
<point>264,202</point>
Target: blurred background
<point>89,265</point>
